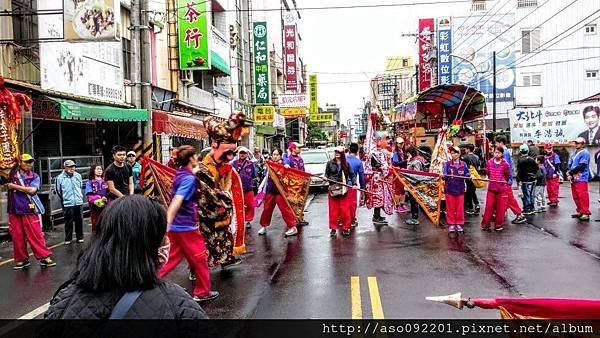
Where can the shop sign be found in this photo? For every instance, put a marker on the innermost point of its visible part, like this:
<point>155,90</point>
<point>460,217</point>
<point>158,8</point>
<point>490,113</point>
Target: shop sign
<point>262,88</point>
<point>293,112</point>
<point>325,117</point>
<point>264,114</point>
<point>444,30</point>
<point>314,104</point>
<point>194,35</point>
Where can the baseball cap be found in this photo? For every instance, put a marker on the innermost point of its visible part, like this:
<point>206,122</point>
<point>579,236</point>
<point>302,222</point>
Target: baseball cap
<point>294,145</point>
<point>524,148</point>
<point>399,140</point>
<point>579,140</point>
<point>68,163</point>
<point>454,149</point>
<point>27,158</point>
<point>548,145</point>
<point>241,149</point>
<point>339,149</point>
<point>131,153</point>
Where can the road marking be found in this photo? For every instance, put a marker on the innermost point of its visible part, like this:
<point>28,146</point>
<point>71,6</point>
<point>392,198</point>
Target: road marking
<point>15,323</point>
<point>355,297</point>
<point>40,310</point>
<point>31,254</point>
<point>375,299</point>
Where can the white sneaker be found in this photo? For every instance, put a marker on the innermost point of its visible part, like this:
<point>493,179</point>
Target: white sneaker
<point>262,231</point>
<point>291,232</point>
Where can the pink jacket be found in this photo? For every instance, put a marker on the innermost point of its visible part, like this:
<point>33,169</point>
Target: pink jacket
<point>498,172</point>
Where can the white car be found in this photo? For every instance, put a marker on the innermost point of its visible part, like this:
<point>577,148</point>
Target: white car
<point>315,161</point>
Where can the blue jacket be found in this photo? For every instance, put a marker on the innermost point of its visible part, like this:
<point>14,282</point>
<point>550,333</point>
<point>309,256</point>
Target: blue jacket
<point>357,169</point>
<point>69,190</point>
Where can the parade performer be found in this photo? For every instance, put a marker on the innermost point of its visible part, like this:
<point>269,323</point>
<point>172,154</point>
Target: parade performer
<point>294,160</point>
<point>473,163</point>
<point>10,118</point>
<point>218,235</point>
<point>358,172</point>
<point>95,189</point>
<point>552,166</point>
<point>274,197</point>
<point>512,201</point>
<point>247,171</point>
<point>399,161</point>
<point>182,225</point>
<point>416,162</point>
<point>579,174</point>
<point>339,170</point>
<point>497,199</point>
<point>455,190</point>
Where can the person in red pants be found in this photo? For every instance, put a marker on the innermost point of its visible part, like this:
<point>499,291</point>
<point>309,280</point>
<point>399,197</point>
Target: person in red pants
<point>513,205</point>
<point>95,189</point>
<point>272,198</point>
<point>552,166</point>
<point>496,200</point>
<point>24,223</point>
<point>339,170</point>
<point>455,190</point>
<point>182,225</point>
<point>579,175</point>
<point>247,172</point>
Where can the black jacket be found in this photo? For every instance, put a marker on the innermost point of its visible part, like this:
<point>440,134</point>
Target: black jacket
<point>332,172</point>
<point>527,169</point>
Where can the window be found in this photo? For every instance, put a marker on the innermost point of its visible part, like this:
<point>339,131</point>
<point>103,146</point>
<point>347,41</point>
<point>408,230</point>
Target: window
<point>526,3</point>
<point>385,88</point>
<point>477,5</point>
<point>591,74</point>
<point>126,58</point>
<point>532,80</point>
<point>25,27</point>
<point>591,29</point>
<point>530,40</point>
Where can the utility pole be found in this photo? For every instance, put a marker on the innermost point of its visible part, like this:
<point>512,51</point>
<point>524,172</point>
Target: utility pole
<point>494,93</point>
<point>136,60</point>
<point>146,74</point>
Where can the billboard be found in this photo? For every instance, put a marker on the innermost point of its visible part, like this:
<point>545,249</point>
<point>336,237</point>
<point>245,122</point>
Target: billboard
<point>314,103</point>
<point>444,43</point>
<point>292,100</point>
<point>262,88</point>
<point>289,50</point>
<point>471,40</point>
<point>425,41</point>
<point>92,20</point>
<point>193,35</point>
<point>558,124</point>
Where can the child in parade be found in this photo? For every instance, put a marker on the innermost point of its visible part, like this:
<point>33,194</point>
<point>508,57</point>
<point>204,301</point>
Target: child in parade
<point>471,200</point>
<point>95,190</point>
<point>540,185</point>
<point>415,162</point>
<point>552,165</point>
<point>497,195</point>
<point>339,170</point>
<point>454,189</point>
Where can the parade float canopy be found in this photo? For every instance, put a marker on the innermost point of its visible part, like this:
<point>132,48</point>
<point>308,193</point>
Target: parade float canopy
<point>445,101</point>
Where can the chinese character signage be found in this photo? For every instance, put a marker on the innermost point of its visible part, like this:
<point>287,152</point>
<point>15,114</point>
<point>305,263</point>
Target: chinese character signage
<point>262,87</point>
<point>293,112</point>
<point>444,31</point>
<point>314,103</point>
<point>289,51</point>
<point>558,124</point>
<point>325,117</point>
<point>264,114</point>
<point>292,100</point>
<point>497,28</point>
<point>425,39</point>
<point>194,49</point>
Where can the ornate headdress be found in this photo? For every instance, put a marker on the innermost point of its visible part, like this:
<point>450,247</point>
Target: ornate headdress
<point>229,131</point>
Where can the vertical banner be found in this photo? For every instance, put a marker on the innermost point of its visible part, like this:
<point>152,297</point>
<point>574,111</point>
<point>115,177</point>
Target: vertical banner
<point>444,31</point>
<point>289,48</point>
<point>425,38</point>
<point>314,104</point>
<point>192,25</point>
<point>262,88</point>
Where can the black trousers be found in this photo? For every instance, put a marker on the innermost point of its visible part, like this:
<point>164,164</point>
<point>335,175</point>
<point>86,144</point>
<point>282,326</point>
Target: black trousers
<point>414,207</point>
<point>471,200</point>
<point>73,215</point>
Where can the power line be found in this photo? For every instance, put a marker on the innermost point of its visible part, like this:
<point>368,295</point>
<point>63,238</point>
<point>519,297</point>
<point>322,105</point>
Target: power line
<point>466,37</point>
<point>473,12</point>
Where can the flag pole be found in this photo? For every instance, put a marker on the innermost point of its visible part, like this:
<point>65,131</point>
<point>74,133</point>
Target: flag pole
<point>336,182</point>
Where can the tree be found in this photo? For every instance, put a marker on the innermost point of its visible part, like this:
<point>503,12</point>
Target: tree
<point>315,133</point>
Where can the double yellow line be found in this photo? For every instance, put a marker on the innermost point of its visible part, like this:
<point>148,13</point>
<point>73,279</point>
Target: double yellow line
<point>376,307</point>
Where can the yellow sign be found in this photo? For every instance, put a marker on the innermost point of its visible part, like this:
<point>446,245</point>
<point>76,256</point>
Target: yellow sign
<point>314,104</point>
<point>326,117</point>
<point>264,113</point>
<point>399,63</point>
<point>293,112</point>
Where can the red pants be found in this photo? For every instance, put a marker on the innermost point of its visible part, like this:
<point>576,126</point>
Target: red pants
<point>339,211</point>
<point>352,203</point>
<point>191,245</point>
<point>94,215</point>
<point>455,209</point>
<point>249,205</point>
<point>495,202</point>
<point>552,185</point>
<point>581,196</point>
<point>269,205</point>
<point>513,205</point>
<point>23,229</point>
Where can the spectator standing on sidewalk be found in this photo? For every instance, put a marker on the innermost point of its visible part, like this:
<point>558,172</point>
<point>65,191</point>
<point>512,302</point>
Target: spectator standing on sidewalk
<point>95,189</point>
<point>118,175</point>
<point>526,176</point>
<point>540,185</point>
<point>579,175</point>
<point>68,187</point>
<point>136,170</point>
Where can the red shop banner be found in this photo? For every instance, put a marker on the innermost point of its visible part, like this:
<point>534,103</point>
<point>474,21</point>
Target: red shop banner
<point>289,47</point>
<point>425,40</point>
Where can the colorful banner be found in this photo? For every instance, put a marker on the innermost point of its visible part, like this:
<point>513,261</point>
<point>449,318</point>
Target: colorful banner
<point>91,20</point>
<point>559,124</point>
<point>293,185</point>
<point>289,50</point>
<point>293,112</point>
<point>264,114</point>
<point>262,88</point>
<point>292,100</point>
<point>444,44</point>
<point>326,117</point>
<point>314,104</point>
<point>425,40</point>
<point>495,28</point>
<point>426,188</point>
<point>192,25</point>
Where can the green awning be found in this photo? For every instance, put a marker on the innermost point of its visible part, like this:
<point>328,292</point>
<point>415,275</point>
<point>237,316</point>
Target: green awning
<point>265,130</point>
<point>73,110</point>
<point>218,63</point>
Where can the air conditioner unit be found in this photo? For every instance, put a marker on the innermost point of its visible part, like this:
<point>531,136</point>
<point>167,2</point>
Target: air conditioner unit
<point>187,76</point>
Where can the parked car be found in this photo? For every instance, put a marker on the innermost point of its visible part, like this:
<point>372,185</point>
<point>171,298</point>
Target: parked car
<point>314,162</point>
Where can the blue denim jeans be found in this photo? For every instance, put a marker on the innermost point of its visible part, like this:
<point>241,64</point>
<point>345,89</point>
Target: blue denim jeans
<point>528,189</point>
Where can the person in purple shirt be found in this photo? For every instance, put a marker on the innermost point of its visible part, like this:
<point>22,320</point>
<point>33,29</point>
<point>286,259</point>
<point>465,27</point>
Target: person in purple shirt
<point>95,190</point>
<point>295,161</point>
<point>357,170</point>
<point>454,189</point>
<point>247,172</point>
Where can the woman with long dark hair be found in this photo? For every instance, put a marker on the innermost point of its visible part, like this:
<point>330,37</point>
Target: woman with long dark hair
<point>95,189</point>
<point>120,260</point>
<point>339,170</point>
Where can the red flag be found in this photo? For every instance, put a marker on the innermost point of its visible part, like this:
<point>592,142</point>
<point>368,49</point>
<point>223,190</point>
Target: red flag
<point>426,188</point>
<point>542,308</point>
<point>293,184</point>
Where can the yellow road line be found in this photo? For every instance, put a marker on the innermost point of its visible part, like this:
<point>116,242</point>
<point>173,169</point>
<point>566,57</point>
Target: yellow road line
<point>355,297</point>
<point>31,254</point>
<point>375,299</point>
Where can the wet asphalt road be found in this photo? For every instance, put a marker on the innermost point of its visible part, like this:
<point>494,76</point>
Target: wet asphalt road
<point>393,268</point>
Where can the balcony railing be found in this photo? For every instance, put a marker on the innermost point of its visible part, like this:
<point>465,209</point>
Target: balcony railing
<point>526,3</point>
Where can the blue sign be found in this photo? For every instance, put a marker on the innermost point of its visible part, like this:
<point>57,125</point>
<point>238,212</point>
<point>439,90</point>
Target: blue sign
<point>444,42</point>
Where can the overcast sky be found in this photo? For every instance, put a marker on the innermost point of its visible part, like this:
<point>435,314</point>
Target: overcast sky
<point>357,41</point>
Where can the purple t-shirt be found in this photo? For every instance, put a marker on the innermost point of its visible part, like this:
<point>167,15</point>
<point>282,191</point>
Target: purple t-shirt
<point>187,190</point>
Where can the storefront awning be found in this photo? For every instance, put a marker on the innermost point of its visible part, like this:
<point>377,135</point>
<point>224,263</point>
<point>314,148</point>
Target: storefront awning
<point>163,123</point>
<point>219,64</point>
<point>73,110</point>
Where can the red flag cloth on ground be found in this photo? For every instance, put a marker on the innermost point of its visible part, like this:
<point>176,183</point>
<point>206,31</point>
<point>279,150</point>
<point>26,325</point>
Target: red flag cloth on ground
<point>293,185</point>
<point>542,308</point>
<point>426,188</point>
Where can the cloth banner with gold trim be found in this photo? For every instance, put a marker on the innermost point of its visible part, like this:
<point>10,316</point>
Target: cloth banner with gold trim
<point>542,308</point>
<point>10,118</point>
<point>293,185</point>
<point>426,188</point>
